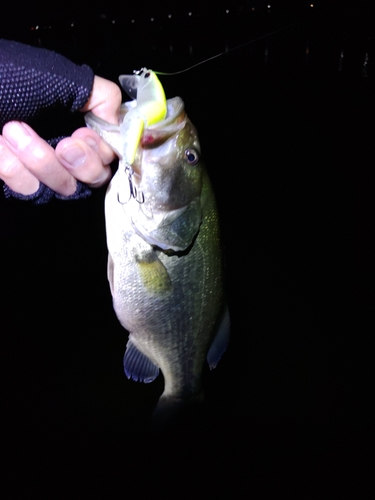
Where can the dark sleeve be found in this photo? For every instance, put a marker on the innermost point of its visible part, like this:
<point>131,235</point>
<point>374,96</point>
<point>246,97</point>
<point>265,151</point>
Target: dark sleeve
<point>32,79</point>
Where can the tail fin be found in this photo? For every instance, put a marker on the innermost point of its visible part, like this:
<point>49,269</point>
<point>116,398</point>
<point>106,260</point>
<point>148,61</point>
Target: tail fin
<point>171,411</point>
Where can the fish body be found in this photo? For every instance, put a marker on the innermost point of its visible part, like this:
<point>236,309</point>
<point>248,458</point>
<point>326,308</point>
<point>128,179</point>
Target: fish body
<point>165,262</point>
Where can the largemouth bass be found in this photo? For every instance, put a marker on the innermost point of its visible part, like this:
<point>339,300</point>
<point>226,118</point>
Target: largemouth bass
<point>165,259</point>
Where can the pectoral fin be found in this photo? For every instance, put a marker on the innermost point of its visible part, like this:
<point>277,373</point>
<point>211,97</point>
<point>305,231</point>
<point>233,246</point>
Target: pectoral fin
<point>137,366</point>
<point>220,342</point>
<point>155,277</point>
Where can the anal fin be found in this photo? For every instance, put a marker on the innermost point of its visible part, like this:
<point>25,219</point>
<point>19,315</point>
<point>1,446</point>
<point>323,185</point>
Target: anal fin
<point>137,366</point>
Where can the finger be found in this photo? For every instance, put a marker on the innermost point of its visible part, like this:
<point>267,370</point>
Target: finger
<point>83,161</point>
<point>38,157</point>
<point>13,172</point>
<point>105,100</point>
<point>96,142</point>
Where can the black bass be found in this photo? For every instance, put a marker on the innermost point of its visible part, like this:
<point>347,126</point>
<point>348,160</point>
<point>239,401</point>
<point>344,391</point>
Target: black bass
<point>165,259</point>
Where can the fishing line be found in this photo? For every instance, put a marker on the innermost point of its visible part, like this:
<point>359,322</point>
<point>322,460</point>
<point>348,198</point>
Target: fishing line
<point>225,52</point>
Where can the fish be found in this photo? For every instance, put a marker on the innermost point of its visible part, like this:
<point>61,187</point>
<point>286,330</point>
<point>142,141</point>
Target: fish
<point>165,262</point>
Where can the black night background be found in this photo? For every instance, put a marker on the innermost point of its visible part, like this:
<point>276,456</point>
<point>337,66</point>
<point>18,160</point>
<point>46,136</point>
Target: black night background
<point>286,125</point>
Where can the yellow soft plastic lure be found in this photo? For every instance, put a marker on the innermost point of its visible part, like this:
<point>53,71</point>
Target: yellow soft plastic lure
<point>151,107</point>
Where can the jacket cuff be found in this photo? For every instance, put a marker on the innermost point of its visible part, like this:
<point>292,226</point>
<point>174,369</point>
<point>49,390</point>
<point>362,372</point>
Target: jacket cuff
<point>44,194</point>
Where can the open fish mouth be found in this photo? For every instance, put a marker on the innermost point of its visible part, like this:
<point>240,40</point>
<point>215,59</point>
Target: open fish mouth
<point>161,131</point>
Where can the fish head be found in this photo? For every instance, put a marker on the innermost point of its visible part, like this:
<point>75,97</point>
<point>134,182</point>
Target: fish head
<point>168,172</point>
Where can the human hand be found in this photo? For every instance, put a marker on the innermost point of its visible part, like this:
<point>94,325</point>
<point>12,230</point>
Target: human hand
<point>26,159</point>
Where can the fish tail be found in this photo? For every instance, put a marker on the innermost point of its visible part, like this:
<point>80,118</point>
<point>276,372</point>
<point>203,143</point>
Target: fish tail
<point>171,411</point>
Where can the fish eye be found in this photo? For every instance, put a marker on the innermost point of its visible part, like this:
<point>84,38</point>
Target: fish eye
<point>192,156</point>
<point>147,75</point>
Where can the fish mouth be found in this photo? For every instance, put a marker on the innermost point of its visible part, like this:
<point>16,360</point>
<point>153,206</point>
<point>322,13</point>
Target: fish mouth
<point>175,107</point>
<point>154,135</point>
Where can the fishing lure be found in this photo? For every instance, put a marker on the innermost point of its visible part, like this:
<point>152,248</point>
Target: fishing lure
<point>149,106</point>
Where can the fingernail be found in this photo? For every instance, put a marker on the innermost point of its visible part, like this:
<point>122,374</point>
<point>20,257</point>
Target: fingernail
<point>73,155</point>
<point>17,135</point>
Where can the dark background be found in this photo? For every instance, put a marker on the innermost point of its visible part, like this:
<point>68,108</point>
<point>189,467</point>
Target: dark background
<point>286,125</point>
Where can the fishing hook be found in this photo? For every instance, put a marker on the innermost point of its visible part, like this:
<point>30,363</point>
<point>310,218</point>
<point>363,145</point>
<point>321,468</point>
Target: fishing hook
<point>134,192</point>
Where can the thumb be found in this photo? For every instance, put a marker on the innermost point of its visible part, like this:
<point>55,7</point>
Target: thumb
<point>104,100</point>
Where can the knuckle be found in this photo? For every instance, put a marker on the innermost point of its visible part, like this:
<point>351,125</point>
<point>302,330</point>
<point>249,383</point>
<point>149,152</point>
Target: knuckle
<point>10,166</point>
<point>116,94</point>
